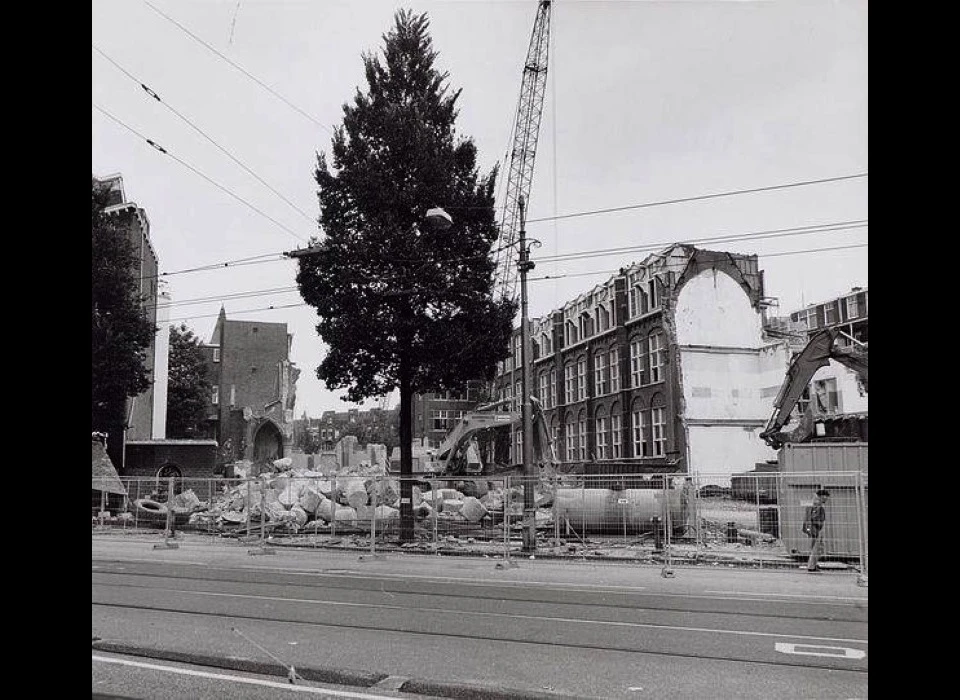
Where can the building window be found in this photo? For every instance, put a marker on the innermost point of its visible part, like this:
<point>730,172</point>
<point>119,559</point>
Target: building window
<point>830,313</point>
<point>552,396</point>
<point>657,423</point>
<point>518,397</point>
<point>601,438</point>
<point>852,310</point>
<point>615,430</point>
<point>543,389</point>
<point>615,370</point>
<point>581,379</point>
<point>582,435</point>
<point>555,435</point>
<point>602,318</point>
<point>584,327</point>
<point>233,394</point>
<point>518,447</point>
<point>215,395</point>
<point>653,292</point>
<point>545,344</point>
<point>569,384</point>
<point>639,444</point>
<point>639,301</point>
<point>439,419</point>
<point>571,333</point>
<point>656,357</point>
<point>216,354</point>
<point>571,439</point>
<point>638,373</point>
<point>827,396</point>
<point>600,373</point>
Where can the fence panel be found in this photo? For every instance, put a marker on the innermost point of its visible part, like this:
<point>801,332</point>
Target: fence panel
<point>753,520</point>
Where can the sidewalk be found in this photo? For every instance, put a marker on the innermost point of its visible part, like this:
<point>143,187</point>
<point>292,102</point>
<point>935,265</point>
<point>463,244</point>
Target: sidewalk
<point>595,574</point>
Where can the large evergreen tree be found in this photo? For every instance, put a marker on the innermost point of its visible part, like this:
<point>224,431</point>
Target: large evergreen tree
<point>402,304</point>
<point>188,385</point>
<point>121,331</point>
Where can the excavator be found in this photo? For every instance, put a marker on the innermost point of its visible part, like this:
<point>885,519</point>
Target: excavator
<point>820,349</point>
<point>457,453</point>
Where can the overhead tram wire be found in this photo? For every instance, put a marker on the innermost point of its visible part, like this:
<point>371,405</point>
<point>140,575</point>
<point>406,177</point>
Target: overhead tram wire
<point>759,255</point>
<point>287,290</point>
<point>238,67</point>
<point>570,257</point>
<point>161,149</point>
<point>574,274</point>
<point>768,233</point>
<point>200,131</point>
<point>714,195</point>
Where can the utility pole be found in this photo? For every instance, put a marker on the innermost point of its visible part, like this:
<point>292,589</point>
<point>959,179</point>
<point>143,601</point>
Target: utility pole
<point>529,469</point>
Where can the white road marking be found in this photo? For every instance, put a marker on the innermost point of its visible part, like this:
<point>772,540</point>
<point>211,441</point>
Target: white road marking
<point>817,650</point>
<point>242,679</point>
<point>326,603</point>
<point>790,595</point>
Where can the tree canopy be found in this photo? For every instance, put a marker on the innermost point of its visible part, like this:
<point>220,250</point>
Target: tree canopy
<point>188,385</point>
<point>121,332</point>
<point>396,298</point>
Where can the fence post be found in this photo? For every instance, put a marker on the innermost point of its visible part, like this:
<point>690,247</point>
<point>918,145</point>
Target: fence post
<point>756,490</point>
<point>103,502</point>
<point>373,521</point>
<point>433,516</point>
<point>170,530</point>
<point>667,570</point>
<point>262,547</point>
<point>508,561</point>
<point>862,532</point>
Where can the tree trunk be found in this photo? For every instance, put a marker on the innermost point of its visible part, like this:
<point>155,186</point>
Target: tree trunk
<point>406,456</point>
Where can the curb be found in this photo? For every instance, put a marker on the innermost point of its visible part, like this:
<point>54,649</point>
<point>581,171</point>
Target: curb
<point>348,677</point>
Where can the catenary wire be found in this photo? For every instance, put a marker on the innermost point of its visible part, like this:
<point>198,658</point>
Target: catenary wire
<point>152,93</point>
<point>161,149</point>
<point>238,67</point>
<point>771,233</point>
<point>287,290</point>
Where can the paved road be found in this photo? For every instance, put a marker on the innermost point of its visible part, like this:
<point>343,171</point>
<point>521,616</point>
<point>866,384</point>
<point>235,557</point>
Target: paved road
<point>572,629</point>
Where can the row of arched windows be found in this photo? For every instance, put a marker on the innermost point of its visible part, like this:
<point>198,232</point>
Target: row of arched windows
<point>641,432</point>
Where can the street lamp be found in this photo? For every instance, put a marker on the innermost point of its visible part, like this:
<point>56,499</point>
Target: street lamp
<point>524,265</point>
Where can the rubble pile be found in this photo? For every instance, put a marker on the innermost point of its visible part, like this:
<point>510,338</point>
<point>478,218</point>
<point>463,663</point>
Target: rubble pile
<point>303,501</point>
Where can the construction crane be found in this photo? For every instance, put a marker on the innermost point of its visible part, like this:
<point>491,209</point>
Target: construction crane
<point>526,130</point>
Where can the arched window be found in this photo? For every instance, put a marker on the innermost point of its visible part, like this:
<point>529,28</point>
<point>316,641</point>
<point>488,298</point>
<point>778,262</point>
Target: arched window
<point>614,363</point>
<point>582,434</point>
<point>570,433</point>
<point>616,437</point>
<point>601,434</point>
<point>600,375</point>
<point>658,424</point>
<point>656,351</point>
<point>638,361</point>
<point>569,383</point>
<point>639,429</point>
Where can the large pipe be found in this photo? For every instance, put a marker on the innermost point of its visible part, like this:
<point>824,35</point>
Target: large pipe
<point>609,510</point>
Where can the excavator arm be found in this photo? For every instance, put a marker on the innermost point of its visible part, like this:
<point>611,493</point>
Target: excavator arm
<point>472,423</point>
<point>818,352</point>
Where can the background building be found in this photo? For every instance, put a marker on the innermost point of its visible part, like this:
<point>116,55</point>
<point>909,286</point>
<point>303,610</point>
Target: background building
<point>145,413</point>
<point>664,367</point>
<point>835,397</point>
<point>254,389</point>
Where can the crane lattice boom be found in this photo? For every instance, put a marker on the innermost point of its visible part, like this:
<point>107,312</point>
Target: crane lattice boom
<point>524,151</point>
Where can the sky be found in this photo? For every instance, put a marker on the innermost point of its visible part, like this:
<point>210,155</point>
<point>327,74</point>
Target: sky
<point>645,102</point>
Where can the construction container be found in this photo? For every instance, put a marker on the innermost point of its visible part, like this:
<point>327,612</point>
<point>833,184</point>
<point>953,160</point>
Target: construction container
<point>839,467</point>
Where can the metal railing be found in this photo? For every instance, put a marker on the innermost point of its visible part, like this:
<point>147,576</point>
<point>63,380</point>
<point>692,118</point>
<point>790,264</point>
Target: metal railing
<point>668,520</point>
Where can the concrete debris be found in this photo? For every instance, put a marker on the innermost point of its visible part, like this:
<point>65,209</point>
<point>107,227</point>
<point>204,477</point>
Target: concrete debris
<point>310,498</point>
<point>472,509</point>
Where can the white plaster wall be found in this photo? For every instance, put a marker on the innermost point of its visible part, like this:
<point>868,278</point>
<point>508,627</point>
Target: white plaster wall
<point>712,309</point>
<point>718,451</point>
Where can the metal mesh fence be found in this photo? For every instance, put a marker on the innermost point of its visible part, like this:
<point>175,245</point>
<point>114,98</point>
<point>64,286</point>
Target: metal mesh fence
<point>753,520</point>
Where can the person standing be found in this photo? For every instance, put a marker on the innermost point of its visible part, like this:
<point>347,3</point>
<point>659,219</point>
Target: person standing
<point>813,527</point>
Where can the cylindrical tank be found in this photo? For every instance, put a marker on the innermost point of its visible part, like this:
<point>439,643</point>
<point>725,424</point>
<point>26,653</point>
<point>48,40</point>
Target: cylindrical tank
<point>608,510</point>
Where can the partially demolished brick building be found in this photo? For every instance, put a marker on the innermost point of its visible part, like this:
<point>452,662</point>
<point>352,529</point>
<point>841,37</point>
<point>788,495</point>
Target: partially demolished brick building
<point>665,367</point>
